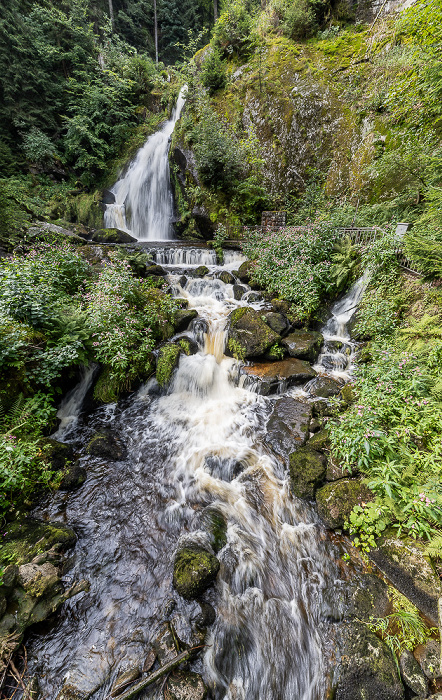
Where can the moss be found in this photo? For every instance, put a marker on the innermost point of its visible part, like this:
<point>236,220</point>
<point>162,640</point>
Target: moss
<point>319,441</point>
<point>307,472</point>
<point>348,395</point>
<point>168,358</point>
<point>107,388</point>
<point>335,501</point>
<point>25,539</point>
<point>194,571</point>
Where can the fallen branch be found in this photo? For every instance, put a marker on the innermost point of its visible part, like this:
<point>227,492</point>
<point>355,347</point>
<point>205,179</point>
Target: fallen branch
<point>169,666</point>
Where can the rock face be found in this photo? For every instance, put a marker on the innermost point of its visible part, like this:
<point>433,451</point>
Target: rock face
<point>245,271</point>
<point>248,335</point>
<point>323,387</point>
<point>112,235</point>
<point>183,317</point>
<point>335,501</point>
<point>428,656</point>
<point>307,472</point>
<point>367,668</point>
<point>287,426</point>
<point>411,573</point>
<point>226,277</point>
<point>194,571</point>
<point>412,674</point>
<point>304,345</point>
<point>271,374</point>
<point>201,271</point>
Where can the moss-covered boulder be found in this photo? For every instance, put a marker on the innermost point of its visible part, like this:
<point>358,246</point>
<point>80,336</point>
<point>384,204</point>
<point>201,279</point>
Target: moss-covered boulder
<point>408,568</point>
<point>319,441</point>
<point>112,235</point>
<point>245,271</point>
<point>248,332</point>
<point>74,475</point>
<point>428,656</point>
<point>226,277</point>
<point>58,453</point>
<point>188,345</point>
<point>307,472</point>
<point>155,271</point>
<point>323,387</point>
<point>335,501</point>
<point>367,668</point>
<point>348,394</point>
<point>26,539</point>
<point>238,291</point>
<point>201,271</point>
<point>304,345</point>
<point>194,570</point>
<point>336,471</point>
<point>183,318</point>
<point>106,446</point>
<point>186,685</point>
<point>278,322</point>
<point>168,359</point>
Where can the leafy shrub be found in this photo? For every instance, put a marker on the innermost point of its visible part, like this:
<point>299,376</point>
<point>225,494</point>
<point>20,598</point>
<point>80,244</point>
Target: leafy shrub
<point>299,19</point>
<point>294,263</point>
<point>234,30</point>
<point>426,252</point>
<point>218,154</point>
<point>213,75</point>
<point>37,146</point>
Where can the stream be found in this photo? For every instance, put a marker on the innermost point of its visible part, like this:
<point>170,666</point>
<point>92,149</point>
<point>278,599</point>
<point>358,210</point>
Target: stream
<point>195,449</point>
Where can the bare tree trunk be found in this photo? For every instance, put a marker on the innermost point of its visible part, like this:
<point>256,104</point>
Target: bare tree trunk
<point>111,14</point>
<point>215,10</point>
<point>155,21</point>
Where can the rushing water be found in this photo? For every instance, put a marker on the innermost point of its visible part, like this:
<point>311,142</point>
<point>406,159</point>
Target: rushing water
<point>195,449</point>
<point>143,196</point>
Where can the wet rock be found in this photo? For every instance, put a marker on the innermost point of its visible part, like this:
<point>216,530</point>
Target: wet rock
<point>194,571</point>
<point>164,644</point>
<point>201,271</point>
<point>149,661</point>
<point>347,394</point>
<point>186,685</point>
<point>58,452</point>
<point>323,387</point>
<point>405,564</point>
<point>206,617</point>
<point>155,271</point>
<point>315,425</point>
<point>183,318</point>
<point>335,471</point>
<point>320,441</point>
<point>187,344</point>
<point>182,281</point>
<point>226,469</point>
<point>167,361</point>
<point>335,501</point>
<point>366,597</point>
<point>124,680</point>
<point>253,297</point>
<point>112,235</point>
<point>106,446</point>
<point>238,291</point>
<point>73,477</point>
<point>169,607</point>
<point>248,335</point>
<point>215,524</point>
<point>412,674</point>
<point>278,322</point>
<point>245,271</point>
<point>367,668</point>
<point>321,408</point>
<point>428,657</point>
<point>2,605</point>
<point>40,230</point>
<point>307,472</point>
<point>271,375</point>
<point>70,692</point>
<point>25,540</point>
<point>287,426</point>
<point>280,306</point>
<point>226,277</point>
<point>39,580</point>
<point>304,345</point>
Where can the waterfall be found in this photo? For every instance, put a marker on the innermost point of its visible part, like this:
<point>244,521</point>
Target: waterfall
<point>143,196</point>
<point>71,405</point>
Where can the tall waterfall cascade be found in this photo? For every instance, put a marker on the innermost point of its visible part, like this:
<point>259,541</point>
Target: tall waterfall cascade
<point>143,203</point>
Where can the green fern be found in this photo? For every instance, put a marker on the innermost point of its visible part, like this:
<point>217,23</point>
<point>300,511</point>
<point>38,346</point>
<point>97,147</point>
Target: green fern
<point>434,547</point>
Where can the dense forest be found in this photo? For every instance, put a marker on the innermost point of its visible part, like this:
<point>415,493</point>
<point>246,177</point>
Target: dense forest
<point>328,111</point>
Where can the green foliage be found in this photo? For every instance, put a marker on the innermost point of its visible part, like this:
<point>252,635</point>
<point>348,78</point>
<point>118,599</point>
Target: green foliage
<point>221,234</point>
<point>346,261</point>
<point>426,252</point>
<point>37,146</point>
<point>234,31</point>
<point>213,74</point>
<point>294,263</point>
<point>238,351</point>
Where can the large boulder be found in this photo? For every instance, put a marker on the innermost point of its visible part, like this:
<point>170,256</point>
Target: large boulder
<point>194,570</point>
<point>112,235</point>
<point>226,277</point>
<point>335,501</point>
<point>106,446</point>
<point>407,567</point>
<point>307,472</point>
<point>278,322</point>
<point>323,387</point>
<point>412,674</point>
<point>238,291</point>
<point>428,656</point>
<point>245,271</point>
<point>168,359</point>
<point>248,335</point>
<point>271,375</point>
<point>287,426</point>
<point>183,318</point>
<point>201,271</point>
<point>367,668</point>
<point>303,344</point>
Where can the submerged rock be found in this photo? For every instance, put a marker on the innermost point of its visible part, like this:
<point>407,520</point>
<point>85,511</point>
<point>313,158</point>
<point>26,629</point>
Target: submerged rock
<point>367,668</point>
<point>168,359</point>
<point>206,617</point>
<point>248,335</point>
<point>70,692</point>
<point>271,375</point>
<point>105,445</point>
<point>412,674</point>
<point>186,685</point>
<point>164,644</point>
<point>194,571</point>
<point>335,501</point>
<point>287,425</point>
<point>307,472</point>
<point>409,570</point>
<point>303,344</point>
<point>58,452</point>
<point>323,387</point>
<point>73,477</point>
<point>112,235</point>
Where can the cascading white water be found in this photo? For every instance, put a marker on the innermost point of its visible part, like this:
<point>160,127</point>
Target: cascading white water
<point>143,196</point>
<point>71,406</point>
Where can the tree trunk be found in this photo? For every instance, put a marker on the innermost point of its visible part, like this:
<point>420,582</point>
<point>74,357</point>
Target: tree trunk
<point>155,21</point>
<point>111,14</point>
<point>215,10</point>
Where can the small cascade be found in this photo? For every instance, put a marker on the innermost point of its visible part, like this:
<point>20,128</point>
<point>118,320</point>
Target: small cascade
<point>72,404</point>
<point>143,196</point>
<point>193,257</point>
